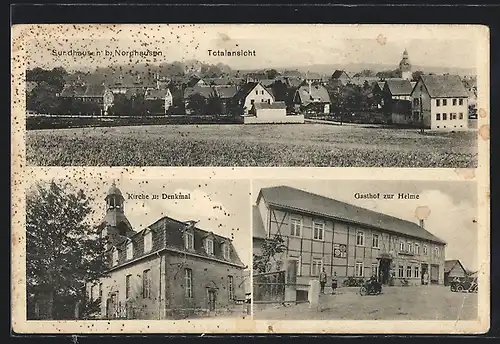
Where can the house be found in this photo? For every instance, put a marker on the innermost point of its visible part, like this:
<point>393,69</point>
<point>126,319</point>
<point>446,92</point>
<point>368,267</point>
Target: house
<point>255,76</point>
<point>397,89</point>
<point>452,269</point>
<point>312,99</point>
<point>271,113</point>
<point>470,84</point>
<point>121,83</point>
<point>30,86</point>
<point>160,95</point>
<point>170,269</point>
<point>292,74</point>
<point>313,78</point>
<point>252,93</point>
<point>440,102</point>
<point>227,96</point>
<point>323,233</point>
<point>99,95</point>
<point>361,80</point>
<point>205,92</point>
<point>341,77</point>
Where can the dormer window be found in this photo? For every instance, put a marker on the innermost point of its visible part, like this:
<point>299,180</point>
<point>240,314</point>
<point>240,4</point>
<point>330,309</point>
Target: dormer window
<point>130,250</point>
<point>148,241</point>
<point>115,256</point>
<point>189,241</point>
<point>226,251</point>
<point>209,246</point>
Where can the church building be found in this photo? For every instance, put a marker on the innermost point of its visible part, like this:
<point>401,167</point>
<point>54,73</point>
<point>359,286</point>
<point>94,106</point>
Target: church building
<point>405,67</point>
<point>170,269</point>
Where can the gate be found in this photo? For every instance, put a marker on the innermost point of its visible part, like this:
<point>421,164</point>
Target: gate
<point>269,286</point>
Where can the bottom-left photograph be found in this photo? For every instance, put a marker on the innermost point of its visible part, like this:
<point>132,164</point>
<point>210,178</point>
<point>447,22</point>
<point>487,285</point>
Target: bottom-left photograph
<point>137,249</point>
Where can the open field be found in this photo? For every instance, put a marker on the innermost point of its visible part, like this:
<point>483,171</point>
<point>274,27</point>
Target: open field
<point>250,145</point>
<point>395,303</point>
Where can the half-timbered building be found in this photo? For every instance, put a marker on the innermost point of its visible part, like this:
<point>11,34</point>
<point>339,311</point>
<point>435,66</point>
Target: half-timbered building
<point>323,233</point>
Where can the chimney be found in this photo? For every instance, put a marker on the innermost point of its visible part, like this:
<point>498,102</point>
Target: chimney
<point>310,83</point>
<point>421,223</point>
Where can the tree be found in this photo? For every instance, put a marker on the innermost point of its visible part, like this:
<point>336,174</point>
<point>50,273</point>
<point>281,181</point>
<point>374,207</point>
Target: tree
<point>396,73</point>
<point>196,104</point>
<point>271,73</point>
<point>365,73</point>
<point>280,91</point>
<point>416,75</point>
<point>121,105</point>
<point>214,105</point>
<point>270,248</point>
<point>43,99</point>
<point>63,249</point>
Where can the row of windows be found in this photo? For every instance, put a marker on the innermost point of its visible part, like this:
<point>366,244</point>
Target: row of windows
<point>452,116</point>
<point>146,285</point>
<point>319,232</point>
<point>257,92</point>
<point>188,285</point>
<point>359,270</point>
<point>453,102</point>
<point>188,245</point>
<point>252,101</point>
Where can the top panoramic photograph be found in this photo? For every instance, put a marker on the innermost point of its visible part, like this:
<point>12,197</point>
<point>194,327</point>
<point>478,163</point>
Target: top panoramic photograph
<point>254,95</point>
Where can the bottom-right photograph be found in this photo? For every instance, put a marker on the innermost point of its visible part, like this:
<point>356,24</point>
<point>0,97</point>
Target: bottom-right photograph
<point>365,250</point>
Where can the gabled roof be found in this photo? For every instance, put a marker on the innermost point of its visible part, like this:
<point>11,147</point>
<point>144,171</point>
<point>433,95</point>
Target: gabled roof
<point>153,93</point>
<point>292,73</point>
<point>380,84</point>
<point>360,80</point>
<point>401,87</point>
<point>30,85</point>
<point>258,230</point>
<point>267,82</point>
<point>245,90</point>
<point>318,94</point>
<point>450,264</point>
<point>70,90</point>
<point>204,91</point>
<point>294,82</point>
<point>299,200</point>
<point>275,105</point>
<point>313,76</point>
<point>226,92</point>
<point>444,86</point>
<point>339,73</point>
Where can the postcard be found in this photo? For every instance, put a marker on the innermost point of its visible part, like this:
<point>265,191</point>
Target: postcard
<point>263,178</point>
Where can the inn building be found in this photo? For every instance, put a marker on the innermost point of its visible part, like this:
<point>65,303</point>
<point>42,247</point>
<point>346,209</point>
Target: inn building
<point>170,269</point>
<point>323,233</point>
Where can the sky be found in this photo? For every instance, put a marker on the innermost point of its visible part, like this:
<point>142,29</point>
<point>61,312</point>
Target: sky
<point>276,46</point>
<point>452,205</point>
<point>220,206</point>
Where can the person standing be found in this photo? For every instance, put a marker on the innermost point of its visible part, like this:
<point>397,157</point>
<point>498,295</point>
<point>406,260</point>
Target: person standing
<point>426,278</point>
<point>322,280</point>
<point>334,282</point>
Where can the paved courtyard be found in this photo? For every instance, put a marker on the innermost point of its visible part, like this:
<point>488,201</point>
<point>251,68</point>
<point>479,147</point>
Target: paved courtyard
<point>395,303</point>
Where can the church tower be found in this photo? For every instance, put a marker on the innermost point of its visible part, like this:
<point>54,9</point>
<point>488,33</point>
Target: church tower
<point>116,224</point>
<point>405,66</point>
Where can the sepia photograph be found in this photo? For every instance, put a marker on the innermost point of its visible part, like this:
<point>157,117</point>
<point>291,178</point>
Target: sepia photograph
<point>137,249</point>
<point>365,250</point>
<point>254,95</point>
